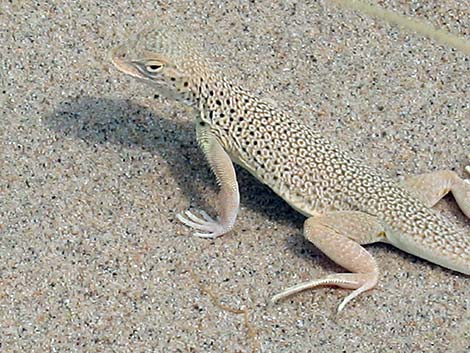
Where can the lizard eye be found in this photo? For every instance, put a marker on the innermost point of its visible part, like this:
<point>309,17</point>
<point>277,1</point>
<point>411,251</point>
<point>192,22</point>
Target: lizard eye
<point>153,67</point>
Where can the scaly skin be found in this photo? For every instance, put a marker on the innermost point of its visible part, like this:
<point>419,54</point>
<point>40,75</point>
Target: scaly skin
<point>349,203</point>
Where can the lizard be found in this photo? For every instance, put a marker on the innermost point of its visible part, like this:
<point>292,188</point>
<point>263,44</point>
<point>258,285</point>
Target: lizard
<point>347,203</point>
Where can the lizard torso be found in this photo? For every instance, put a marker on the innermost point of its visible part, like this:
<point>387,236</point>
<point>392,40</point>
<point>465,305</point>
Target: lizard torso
<point>311,173</point>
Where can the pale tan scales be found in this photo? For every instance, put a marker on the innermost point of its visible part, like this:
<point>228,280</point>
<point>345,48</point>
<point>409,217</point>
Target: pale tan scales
<point>348,203</point>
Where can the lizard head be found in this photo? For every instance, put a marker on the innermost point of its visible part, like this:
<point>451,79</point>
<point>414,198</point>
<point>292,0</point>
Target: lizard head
<point>165,60</point>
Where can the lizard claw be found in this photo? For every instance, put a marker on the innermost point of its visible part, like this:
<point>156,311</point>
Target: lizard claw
<point>212,228</point>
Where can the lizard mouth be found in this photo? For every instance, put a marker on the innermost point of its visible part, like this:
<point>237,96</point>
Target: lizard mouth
<point>118,58</point>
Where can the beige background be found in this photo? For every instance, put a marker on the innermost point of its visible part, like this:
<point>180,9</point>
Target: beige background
<point>94,170</point>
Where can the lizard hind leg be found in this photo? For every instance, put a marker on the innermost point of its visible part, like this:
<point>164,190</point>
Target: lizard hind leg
<point>461,192</point>
<point>339,235</point>
<point>431,187</point>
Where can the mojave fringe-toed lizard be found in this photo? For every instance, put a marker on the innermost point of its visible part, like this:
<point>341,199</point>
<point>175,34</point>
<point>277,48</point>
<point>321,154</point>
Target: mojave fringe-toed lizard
<point>347,203</point>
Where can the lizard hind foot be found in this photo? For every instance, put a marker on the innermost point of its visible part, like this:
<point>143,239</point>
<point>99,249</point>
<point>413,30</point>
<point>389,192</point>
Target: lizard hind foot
<point>360,282</point>
<point>202,222</point>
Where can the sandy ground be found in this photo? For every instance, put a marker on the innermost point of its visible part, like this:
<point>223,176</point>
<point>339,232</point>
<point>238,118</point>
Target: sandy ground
<point>94,170</point>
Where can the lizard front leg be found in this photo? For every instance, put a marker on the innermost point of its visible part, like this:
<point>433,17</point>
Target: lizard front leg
<point>339,235</point>
<point>228,197</point>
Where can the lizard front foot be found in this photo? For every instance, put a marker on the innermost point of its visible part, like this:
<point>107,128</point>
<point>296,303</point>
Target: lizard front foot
<point>212,228</point>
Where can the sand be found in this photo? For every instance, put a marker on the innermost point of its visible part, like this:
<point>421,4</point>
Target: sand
<point>94,170</point>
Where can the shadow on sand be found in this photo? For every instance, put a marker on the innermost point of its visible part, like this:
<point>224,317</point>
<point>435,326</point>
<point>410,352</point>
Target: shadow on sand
<point>127,124</point>
<point>124,123</point>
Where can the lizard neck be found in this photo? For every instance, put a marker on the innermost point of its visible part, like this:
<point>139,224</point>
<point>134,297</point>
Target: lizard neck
<point>207,90</point>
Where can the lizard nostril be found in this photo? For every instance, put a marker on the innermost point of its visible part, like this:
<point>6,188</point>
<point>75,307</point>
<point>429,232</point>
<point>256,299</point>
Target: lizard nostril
<point>119,52</point>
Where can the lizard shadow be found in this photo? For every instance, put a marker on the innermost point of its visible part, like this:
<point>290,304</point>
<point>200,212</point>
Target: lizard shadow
<point>127,124</point>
